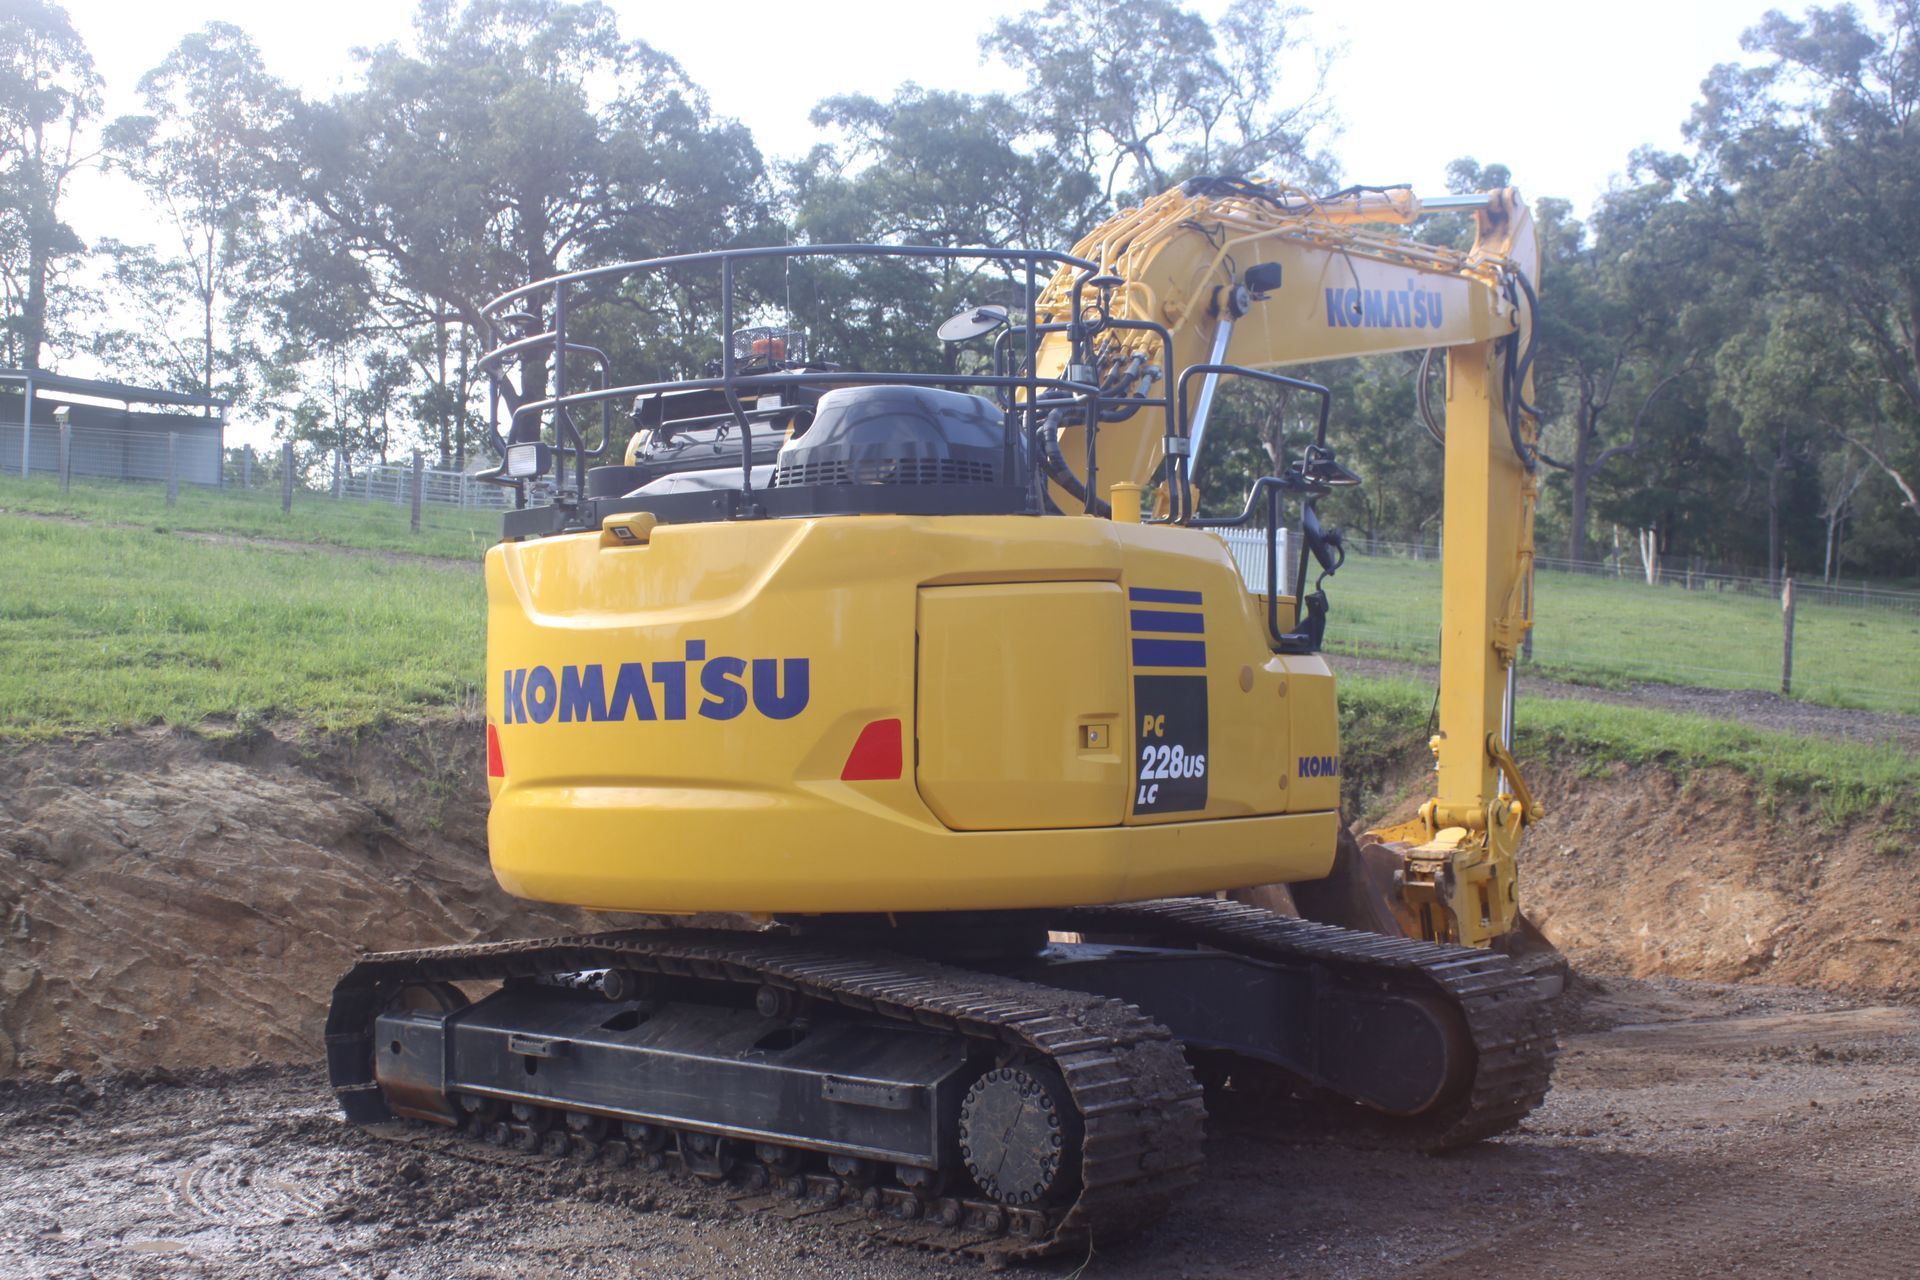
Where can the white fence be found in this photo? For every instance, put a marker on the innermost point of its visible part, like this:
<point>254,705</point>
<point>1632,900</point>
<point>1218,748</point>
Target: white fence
<point>196,457</point>
<point>1249,548</point>
<point>393,482</point>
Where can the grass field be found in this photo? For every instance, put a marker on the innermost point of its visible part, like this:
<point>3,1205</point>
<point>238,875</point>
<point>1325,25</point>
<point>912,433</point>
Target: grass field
<point>103,627</point>
<point>445,532</point>
<point>111,619</point>
<point>1610,631</point>
<point>1588,629</point>
<point>1383,719</point>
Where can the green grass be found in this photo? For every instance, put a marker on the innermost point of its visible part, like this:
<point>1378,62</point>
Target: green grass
<point>445,532</point>
<point>118,621</point>
<point>1383,721</point>
<point>105,627</point>
<point>1591,630</point>
<point>1614,631</point>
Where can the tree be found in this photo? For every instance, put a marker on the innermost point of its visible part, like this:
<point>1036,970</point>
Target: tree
<point>386,374</point>
<point>48,91</point>
<point>925,168</point>
<point>203,153</point>
<point>513,140</point>
<point>1145,92</point>
<point>161,346</point>
<point>1620,324</point>
<point>1818,152</point>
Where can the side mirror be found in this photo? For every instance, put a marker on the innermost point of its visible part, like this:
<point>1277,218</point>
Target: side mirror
<point>1322,467</point>
<point>973,323</point>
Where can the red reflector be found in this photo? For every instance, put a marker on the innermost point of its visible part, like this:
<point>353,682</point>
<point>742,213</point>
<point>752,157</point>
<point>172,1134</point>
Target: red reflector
<point>875,754</point>
<point>496,767</point>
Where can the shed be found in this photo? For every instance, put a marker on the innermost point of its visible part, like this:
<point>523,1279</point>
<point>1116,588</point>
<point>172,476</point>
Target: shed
<point>120,443</point>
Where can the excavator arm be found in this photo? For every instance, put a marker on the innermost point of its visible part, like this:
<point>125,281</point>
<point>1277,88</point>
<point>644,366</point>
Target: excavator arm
<point>1239,272</point>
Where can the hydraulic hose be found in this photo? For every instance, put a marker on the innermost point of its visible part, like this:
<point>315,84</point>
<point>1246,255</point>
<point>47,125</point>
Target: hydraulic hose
<point>1421,398</point>
<point>1059,472</point>
<point>1518,364</point>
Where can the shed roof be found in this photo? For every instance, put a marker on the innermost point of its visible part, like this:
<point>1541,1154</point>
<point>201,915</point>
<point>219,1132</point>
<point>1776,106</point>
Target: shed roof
<point>126,393</point>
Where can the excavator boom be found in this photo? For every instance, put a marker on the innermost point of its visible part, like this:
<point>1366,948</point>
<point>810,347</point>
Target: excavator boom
<point>1249,274</point>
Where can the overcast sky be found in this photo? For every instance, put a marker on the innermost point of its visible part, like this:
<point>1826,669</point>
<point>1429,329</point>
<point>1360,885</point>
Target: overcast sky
<point>1559,92</point>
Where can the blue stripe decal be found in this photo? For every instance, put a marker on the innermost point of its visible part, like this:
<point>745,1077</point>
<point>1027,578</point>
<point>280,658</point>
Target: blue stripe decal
<point>1169,653</point>
<point>1160,595</point>
<point>1191,624</point>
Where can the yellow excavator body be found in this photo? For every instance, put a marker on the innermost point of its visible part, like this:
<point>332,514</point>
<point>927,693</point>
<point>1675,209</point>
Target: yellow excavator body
<point>896,714</point>
<point>675,704</point>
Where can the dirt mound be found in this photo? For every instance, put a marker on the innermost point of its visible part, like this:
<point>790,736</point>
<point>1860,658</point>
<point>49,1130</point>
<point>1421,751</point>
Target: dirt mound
<point>1645,872</point>
<point>166,898</point>
<point>173,899</point>
<point>1642,871</point>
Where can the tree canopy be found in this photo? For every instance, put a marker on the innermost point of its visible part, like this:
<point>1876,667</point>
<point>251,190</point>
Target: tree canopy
<point>1729,331</point>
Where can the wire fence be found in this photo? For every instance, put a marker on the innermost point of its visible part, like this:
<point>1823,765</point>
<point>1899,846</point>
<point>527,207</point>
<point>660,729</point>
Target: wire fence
<point>196,456</point>
<point>1844,647</point>
<point>1682,573</point>
<point>393,482</point>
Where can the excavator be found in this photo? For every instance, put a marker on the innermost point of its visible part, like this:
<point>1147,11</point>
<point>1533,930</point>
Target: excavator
<point>943,691</point>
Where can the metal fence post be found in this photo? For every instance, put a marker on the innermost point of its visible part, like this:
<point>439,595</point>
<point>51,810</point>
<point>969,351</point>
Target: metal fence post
<point>339,475</point>
<point>26,429</point>
<point>173,471</point>
<point>286,478</point>
<point>419,487</point>
<point>64,416</point>
<point>246,467</point>
<point>1786,652</point>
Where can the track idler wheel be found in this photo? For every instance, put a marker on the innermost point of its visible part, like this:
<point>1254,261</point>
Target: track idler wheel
<point>1020,1135</point>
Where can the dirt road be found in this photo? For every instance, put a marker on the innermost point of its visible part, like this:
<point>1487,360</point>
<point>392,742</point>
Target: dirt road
<point>1694,1130</point>
<point>1754,708</point>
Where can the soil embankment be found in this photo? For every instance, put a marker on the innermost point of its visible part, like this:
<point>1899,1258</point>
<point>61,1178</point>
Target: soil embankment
<point>1641,871</point>
<point>172,899</point>
<point>187,901</point>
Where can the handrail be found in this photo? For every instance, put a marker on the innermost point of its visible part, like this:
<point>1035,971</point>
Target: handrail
<point>788,251</point>
<point>519,306</point>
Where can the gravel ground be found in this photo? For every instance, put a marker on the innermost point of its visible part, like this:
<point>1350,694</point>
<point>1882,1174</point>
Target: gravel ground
<point>1694,1130</point>
<point>1752,707</point>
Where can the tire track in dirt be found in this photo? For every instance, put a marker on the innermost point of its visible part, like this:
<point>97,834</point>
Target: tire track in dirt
<point>1816,1180</point>
<point>1753,1131</point>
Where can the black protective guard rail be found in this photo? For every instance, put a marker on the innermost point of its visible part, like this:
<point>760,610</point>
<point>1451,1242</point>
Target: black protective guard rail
<point>731,381</point>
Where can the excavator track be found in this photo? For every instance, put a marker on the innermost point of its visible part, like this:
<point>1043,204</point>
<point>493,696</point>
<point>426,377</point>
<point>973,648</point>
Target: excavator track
<point>1506,1016</point>
<point>1138,1107</point>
